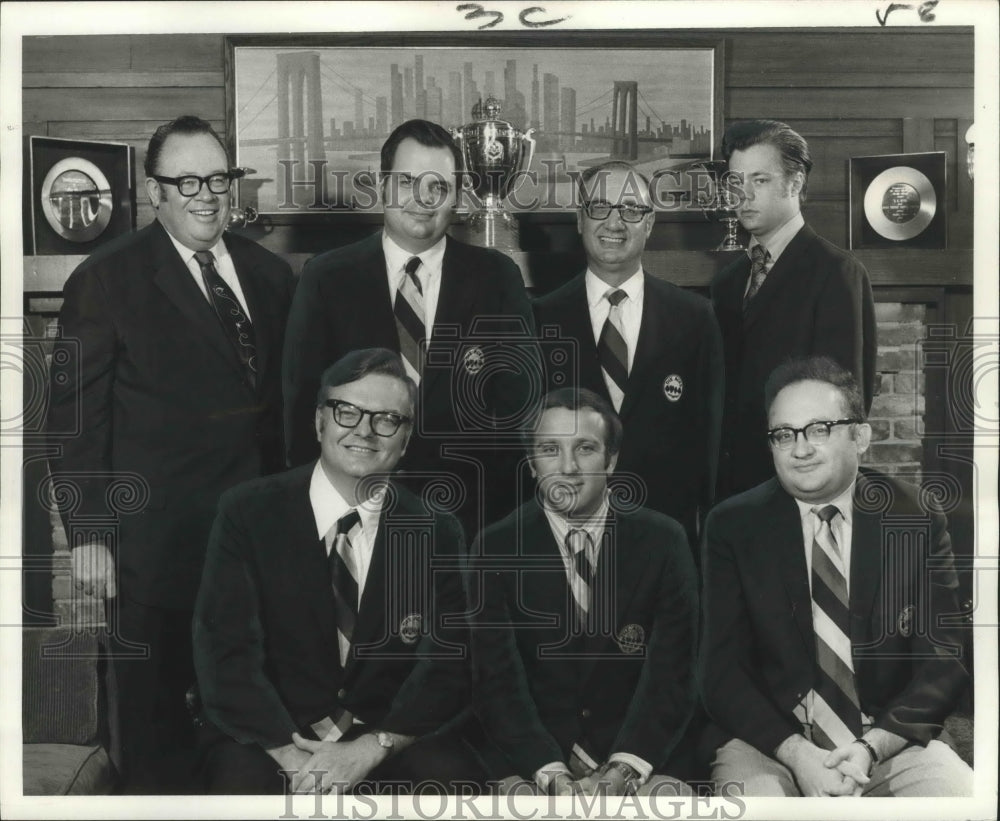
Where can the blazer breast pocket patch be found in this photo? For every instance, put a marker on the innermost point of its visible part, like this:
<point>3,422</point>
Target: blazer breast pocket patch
<point>673,387</point>
<point>474,359</point>
<point>905,621</point>
<point>631,639</point>
<point>410,628</point>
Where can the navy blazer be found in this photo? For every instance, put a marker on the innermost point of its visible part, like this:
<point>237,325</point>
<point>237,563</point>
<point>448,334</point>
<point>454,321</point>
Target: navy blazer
<point>759,647</point>
<point>672,408</point>
<point>816,301</point>
<point>538,689</point>
<point>147,390</point>
<point>265,629</point>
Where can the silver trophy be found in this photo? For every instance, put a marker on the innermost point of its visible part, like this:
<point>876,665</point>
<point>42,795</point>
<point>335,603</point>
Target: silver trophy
<point>495,154</point>
<point>719,201</point>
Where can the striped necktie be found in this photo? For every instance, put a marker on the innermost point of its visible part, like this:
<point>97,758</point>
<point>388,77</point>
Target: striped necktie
<point>230,312</point>
<point>581,581</point>
<point>836,716</point>
<point>410,324</point>
<point>759,257</point>
<point>344,577</point>
<point>612,349</point>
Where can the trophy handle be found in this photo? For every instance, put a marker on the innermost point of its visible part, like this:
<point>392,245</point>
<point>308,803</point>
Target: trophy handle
<point>524,164</point>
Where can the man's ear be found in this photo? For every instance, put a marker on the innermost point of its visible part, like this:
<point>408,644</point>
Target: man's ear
<point>579,221</point>
<point>796,183</point>
<point>862,436</point>
<point>318,422</point>
<point>153,191</point>
<point>612,463</point>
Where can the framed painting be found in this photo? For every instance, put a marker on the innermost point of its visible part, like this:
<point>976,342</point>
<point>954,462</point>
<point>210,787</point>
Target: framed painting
<point>309,113</point>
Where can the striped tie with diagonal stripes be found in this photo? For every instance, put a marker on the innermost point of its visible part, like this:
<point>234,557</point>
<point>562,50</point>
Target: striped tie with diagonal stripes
<point>836,718</point>
<point>410,323</point>
<point>612,349</point>
<point>578,543</point>
<point>344,577</point>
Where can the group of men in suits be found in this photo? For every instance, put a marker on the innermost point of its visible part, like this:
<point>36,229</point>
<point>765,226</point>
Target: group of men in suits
<point>331,643</point>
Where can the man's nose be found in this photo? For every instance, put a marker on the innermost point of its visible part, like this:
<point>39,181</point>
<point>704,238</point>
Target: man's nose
<point>802,446</point>
<point>364,427</point>
<point>567,462</point>
<point>615,218</point>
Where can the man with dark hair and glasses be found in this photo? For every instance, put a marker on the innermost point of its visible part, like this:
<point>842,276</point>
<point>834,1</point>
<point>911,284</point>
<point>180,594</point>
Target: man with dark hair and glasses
<point>167,365</point>
<point>830,656</point>
<point>453,311</point>
<point>328,631</point>
<point>650,348</point>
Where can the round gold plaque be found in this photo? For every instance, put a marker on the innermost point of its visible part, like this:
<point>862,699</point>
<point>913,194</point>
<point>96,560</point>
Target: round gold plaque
<point>900,203</point>
<point>76,199</point>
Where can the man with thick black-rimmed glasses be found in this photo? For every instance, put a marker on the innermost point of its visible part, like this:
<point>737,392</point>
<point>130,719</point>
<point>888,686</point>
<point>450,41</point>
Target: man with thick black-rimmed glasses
<point>168,369</point>
<point>830,656</point>
<point>650,348</point>
<point>329,634</point>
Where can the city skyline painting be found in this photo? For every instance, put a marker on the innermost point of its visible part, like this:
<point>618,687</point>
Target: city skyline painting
<point>301,110</point>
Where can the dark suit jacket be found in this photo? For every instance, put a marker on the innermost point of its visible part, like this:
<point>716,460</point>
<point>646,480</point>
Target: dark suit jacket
<point>538,690</point>
<point>672,446</point>
<point>145,382</point>
<point>265,630</point>
<point>816,301</point>
<point>759,648</point>
<point>342,303</point>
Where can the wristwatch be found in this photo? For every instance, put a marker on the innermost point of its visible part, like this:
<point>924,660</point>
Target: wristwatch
<point>384,740</point>
<point>627,772</point>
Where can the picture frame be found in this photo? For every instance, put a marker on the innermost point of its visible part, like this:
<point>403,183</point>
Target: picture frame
<point>388,78</point>
<point>899,200</point>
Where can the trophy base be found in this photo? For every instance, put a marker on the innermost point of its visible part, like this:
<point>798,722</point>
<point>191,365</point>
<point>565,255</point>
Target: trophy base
<point>492,229</point>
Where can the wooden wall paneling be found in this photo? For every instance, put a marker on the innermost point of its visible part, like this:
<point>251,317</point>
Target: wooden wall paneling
<point>160,104</point>
<point>745,103</point>
<point>121,79</point>
<point>831,162</point>
<point>188,52</point>
<point>76,53</point>
<point>918,134</point>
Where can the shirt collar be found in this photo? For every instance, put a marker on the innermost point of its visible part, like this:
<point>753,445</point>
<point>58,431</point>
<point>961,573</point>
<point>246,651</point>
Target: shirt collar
<point>219,249</point>
<point>328,505</point>
<point>396,257</point>
<point>597,287</point>
<point>594,525</point>
<point>784,235</point>
<point>844,502</point>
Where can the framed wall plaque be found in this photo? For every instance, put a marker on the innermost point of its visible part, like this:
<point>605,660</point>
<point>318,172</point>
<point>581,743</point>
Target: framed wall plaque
<point>79,194</point>
<point>898,200</point>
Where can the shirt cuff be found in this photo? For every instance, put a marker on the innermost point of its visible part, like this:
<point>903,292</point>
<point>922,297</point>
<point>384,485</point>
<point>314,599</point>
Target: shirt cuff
<point>544,775</point>
<point>644,768</point>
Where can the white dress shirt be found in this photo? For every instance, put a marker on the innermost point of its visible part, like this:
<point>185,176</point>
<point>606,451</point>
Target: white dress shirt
<point>777,244</point>
<point>223,264</point>
<point>630,309</point>
<point>429,274</point>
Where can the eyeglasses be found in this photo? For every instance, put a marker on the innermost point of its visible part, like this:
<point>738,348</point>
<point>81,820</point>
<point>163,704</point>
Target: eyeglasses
<point>816,433</point>
<point>190,184</point>
<point>384,423</point>
<point>629,212</point>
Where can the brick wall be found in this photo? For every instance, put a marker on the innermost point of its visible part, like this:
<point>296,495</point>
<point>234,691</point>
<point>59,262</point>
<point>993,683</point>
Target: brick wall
<point>897,412</point>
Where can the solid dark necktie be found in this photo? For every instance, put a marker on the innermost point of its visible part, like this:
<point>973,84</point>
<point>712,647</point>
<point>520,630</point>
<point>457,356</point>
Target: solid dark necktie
<point>836,708</point>
<point>232,317</point>
<point>410,323</point>
<point>612,349</point>
<point>759,257</point>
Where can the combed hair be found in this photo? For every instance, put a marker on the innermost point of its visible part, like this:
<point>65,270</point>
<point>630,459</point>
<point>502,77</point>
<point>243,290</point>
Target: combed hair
<point>817,369</point>
<point>186,125</point>
<point>611,165</point>
<point>792,147</point>
<point>576,399</point>
<point>424,132</point>
<point>360,363</point>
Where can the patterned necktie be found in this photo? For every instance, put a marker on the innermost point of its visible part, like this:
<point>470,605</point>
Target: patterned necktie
<point>578,544</point>
<point>836,709</point>
<point>410,324</point>
<point>344,577</point>
<point>233,318</point>
<point>612,350</point>
<point>759,257</point>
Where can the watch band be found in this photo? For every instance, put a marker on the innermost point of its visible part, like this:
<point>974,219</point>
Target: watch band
<point>628,772</point>
<point>871,753</point>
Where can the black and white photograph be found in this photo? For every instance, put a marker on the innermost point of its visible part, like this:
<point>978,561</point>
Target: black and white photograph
<point>414,409</point>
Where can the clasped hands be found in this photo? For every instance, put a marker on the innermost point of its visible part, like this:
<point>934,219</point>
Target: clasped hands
<point>599,782</point>
<point>328,766</point>
<point>843,771</point>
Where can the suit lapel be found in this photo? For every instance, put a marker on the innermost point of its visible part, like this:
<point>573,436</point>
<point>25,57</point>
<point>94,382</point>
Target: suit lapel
<point>784,546</point>
<point>648,346</point>
<point>173,278</point>
<point>312,560</point>
<point>457,299</point>
<point>575,324</point>
<point>866,566</point>
<point>788,263</point>
<point>258,304</point>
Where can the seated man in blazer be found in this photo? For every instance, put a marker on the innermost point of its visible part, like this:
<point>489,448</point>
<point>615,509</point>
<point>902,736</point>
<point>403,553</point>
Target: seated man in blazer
<point>326,590</point>
<point>650,348</point>
<point>583,614</point>
<point>828,665</point>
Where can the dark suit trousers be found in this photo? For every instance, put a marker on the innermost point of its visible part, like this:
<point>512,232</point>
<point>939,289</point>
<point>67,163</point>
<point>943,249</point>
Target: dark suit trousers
<point>441,760</point>
<point>153,669</point>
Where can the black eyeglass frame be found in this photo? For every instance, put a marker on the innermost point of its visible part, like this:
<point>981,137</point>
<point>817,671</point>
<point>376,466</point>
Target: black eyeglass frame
<point>375,417</point>
<point>177,182</point>
<point>821,423</point>
<point>643,210</point>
